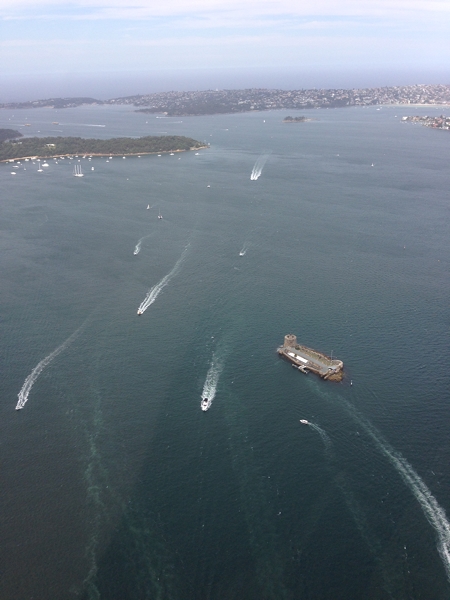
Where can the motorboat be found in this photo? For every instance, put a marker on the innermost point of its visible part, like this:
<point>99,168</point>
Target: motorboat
<point>139,312</point>
<point>204,404</point>
<point>304,421</point>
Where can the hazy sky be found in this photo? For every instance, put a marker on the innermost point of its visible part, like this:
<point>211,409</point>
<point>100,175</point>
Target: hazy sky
<point>87,37</point>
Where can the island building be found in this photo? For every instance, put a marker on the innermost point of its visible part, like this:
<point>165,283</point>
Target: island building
<point>305,359</point>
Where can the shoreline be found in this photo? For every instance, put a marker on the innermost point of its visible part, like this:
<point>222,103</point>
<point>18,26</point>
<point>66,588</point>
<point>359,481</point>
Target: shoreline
<point>88,154</point>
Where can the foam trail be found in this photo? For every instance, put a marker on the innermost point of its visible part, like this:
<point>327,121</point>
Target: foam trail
<point>325,438</point>
<point>154,292</point>
<point>245,247</point>
<point>434,513</point>
<point>258,167</point>
<point>32,377</point>
<point>137,248</point>
<point>211,381</point>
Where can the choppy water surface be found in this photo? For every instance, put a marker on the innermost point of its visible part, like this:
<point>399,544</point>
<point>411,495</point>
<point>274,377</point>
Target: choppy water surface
<point>115,483</point>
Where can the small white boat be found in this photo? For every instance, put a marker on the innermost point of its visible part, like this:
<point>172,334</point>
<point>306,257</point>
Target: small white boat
<point>304,421</point>
<point>208,185</point>
<point>205,404</point>
<point>160,215</point>
<point>45,164</point>
<point>148,206</point>
<point>13,173</point>
<point>77,171</point>
<point>139,312</point>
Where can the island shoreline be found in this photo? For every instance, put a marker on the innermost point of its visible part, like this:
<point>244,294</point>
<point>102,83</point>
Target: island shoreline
<point>11,160</point>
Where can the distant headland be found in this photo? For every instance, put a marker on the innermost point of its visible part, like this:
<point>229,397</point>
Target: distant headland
<point>49,147</point>
<point>440,122</point>
<point>211,102</point>
<point>9,134</point>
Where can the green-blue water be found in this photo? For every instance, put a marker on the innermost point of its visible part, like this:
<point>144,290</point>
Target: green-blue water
<point>115,484</point>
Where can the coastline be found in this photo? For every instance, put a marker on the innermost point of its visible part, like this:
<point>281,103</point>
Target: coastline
<point>11,160</point>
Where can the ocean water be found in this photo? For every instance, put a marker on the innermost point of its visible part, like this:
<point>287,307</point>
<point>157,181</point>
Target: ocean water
<point>115,484</point>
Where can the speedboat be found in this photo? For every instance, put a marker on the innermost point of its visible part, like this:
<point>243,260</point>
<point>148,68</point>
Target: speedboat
<point>304,421</point>
<point>139,312</point>
<point>204,405</point>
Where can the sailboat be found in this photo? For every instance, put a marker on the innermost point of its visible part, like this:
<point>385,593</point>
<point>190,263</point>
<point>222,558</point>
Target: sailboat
<point>40,168</point>
<point>160,215</point>
<point>77,171</point>
<point>148,206</point>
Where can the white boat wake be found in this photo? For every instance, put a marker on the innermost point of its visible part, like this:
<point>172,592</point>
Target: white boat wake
<point>32,377</point>
<point>154,292</point>
<point>137,248</point>
<point>325,438</point>
<point>211,381</point>
<point>245,247</point>
<point>432,510</point>
<point>258,167</point>
<point>434,513</point>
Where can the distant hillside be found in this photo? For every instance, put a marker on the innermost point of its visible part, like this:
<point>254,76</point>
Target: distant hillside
<point>52,103</point>
<point>9,134</point>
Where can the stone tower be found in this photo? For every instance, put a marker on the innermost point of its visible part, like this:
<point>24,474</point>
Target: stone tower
<point>290,340</point>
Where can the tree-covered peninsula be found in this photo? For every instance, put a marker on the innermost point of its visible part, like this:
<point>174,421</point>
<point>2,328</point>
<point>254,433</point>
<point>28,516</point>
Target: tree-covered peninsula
<point>9,134</point>
<point>48,147</point>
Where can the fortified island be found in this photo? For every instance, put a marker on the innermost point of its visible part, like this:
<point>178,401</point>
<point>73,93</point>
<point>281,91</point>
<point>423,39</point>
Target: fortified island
<point>295,120</point>
<point>305,359</point>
